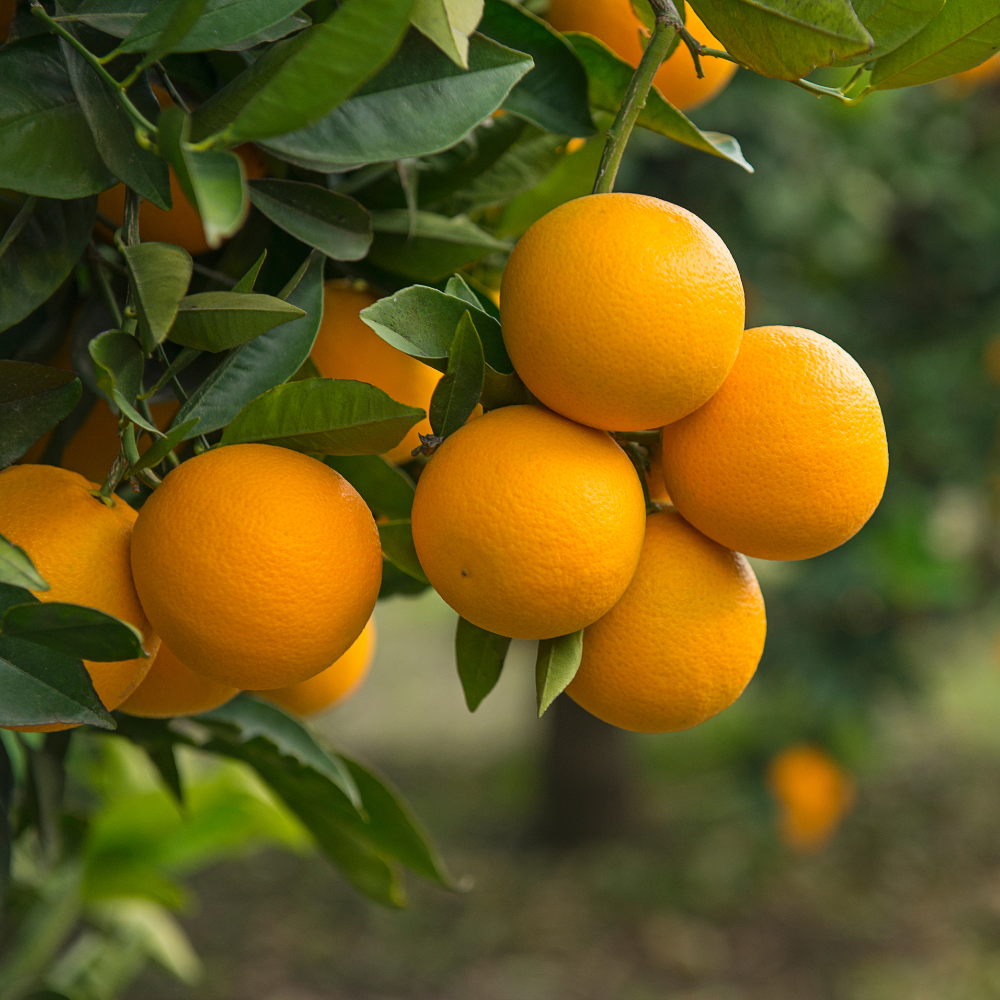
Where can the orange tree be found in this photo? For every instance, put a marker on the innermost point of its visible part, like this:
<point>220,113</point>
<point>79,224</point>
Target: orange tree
<point>185,186</point>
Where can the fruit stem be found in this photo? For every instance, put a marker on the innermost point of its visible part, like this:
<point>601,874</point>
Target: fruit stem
<point>668,22</point>
<point>115,476</point>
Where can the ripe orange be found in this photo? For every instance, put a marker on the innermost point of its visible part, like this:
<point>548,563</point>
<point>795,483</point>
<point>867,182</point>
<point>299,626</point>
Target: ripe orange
<point>813,795</point>
<point>654,478</point>
<point>346,347</point>
<point>684,640</point>
<point>171,689</point>
<point>259,566</point>
<point>81,549</point>
<point>979,76</point>
<point>6,16</point>
<point>527,524</point>
<point>788,459</point>
<point>331,686</point>
<point>621,311</point>
<point>614,23</point>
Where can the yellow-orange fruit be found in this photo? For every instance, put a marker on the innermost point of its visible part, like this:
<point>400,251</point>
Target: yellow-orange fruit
<point>346,347</point>
<point>684,640</point>
<point>813,794</point>
<point>171,689</point>
<point>259,566</point>
<point>789,458</point>
<point>528,524</point>
<point>621,311</point>
<point>80,547</point>
<point>614,23</point>
<point>331,686</point>
<point>655,483</point>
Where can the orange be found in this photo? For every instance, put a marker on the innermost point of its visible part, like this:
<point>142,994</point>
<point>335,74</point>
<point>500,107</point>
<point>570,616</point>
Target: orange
<point>527,524</point>
<point>979,76</point>
<point>171,689</point>
<point>259,566</point>
<point>813,794</point>
<point>621,311</point>
<point>6,16</point>
<point>81,549</point>
<point>654,478</point>
<point>788,459</point>
<point>331,686</point>
<point>684,640</point>
<point>346,347</point>
<point>614,23</point>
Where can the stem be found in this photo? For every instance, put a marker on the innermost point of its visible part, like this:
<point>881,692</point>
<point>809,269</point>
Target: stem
<point>115,476</point>
<point>667,24</point>
<point>819,91</point>
<point>171,89</point>
<point>20,221</point>
<point>98,264</point>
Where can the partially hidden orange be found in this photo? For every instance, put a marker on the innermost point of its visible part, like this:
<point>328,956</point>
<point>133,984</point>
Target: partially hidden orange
<point>979,76</point>
<point>170,689</point>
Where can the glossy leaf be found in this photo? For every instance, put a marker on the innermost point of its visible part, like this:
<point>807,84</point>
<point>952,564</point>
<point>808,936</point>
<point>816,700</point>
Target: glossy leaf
<point>457,393</point>
<point>17,569</point>
<point>159,450</point>
<point>158,33</point>
<point>555,666</point>
<point>386,488</point>
<point>262,363</point>
<point>318,217</point>
<point>448,24</point>
<point>158,276</point>
<point>480,657</point>
<point>397,547</point>
<point>609,80</point>
<point>247,282</point>
<point>891,23</point>
<point>421,103</point>
<point>553,95</point>
<point>325,416</point>
<point>785,38</point>
<point>217,321</point>
<point>33,399</point>
<point>74,630</point>
<point>118,365</point>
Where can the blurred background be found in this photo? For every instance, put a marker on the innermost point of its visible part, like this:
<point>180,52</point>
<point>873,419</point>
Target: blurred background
<point>836,834</point>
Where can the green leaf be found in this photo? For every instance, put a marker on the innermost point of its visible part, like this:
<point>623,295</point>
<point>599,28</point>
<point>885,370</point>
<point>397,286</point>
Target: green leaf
<point>47,146</point>
<point>448,24</point>
<point>41,686</point>
<point>504,390</point>
<point>246,283</point>
<point>554,94</point>
<point>480,656</point>
<point>262,363</point>
<point>213,182</point>
<point>17,569</point>
<point>437,247</point>
<point>555,666</point>
<point>385,487</point>
<point>964,34</point>
<point>118,365</point>
<point>43,253</point>
<point>159,450</point>
<point>397,547</point>
<point>318,217</point>
<point>609,80</point>
<point>785,38</point>
<point>458,287</point>
<point>326,417</point>
<point>395,581</point>
<point>891,23</point>
<point>74,630</point>
<point>217,321</point>
<point>158,276</point>
<point>158,742</point>
<point>33,399</point>
<point>160,31</point>
<point>421,103</point>
<point>114,132</point>
<point>457,393</point>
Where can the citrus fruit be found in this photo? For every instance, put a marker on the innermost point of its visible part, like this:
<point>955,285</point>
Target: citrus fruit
<point>80,547</point>
<point>171,689</point>
<point>346,347</point>
<point>259,564</point>
<point>979,76</point>
<point>6,17</point>
<point>621,311</point>
<point>788,459</point>
<point>684,640</point>
<point>654,478</point>
<point>528,524</point>
<point>615,23</point>
<point>812,792</point>
<point>331,686</point>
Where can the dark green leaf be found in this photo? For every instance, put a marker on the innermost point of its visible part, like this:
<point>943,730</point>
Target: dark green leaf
<point>158,741</point>
<point>448,24</point>
<point>217,321</point>
<point>785,38</point>
<point>264,362</point>
<point>395,581</point>
<point>457,393</point>
<point>159,32</point>
<point>504,390</point>
<point>246,283</point>
<point>480,656</point>
<point>386,488</point>
<point>397,547</point>
<point>891,23</point>
<point>158,275</point>
<point>6,797</point>
<point>33,399</point>
<point>325,416</point>
<point>555,666</point>
<point>421,103</point>
<point>159,450</point>
<point>17,570</point>
<point>118,365</point>
<point>331,222</point>
<point>74,630</point>
<point>609,79</point>
<point>554,94</point>
<point>287,26</point>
